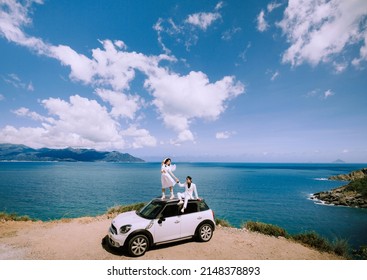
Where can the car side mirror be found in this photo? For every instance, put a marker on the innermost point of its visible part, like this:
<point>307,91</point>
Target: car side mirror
<point>161,219</point>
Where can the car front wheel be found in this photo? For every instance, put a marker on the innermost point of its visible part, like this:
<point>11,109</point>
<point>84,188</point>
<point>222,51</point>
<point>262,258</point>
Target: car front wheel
<point>205,232</point>
<point>138,245</point>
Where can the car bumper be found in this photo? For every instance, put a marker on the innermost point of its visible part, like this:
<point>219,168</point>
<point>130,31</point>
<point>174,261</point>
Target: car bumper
<point>116,240</point>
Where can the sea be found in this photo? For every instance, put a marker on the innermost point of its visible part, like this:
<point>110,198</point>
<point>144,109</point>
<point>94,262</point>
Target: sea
<point>275,193</point>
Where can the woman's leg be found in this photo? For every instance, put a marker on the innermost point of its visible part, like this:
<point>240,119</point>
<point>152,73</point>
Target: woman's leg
<point>172,195</point>
<point>185,203</point>
<point>180,196</point>
<point>163,193</point>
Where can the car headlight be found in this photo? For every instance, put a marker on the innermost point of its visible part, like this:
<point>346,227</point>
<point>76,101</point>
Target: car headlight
<point>124,229</point>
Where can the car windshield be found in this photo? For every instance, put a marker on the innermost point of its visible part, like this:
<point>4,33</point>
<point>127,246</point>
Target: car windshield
<point>151,210</point>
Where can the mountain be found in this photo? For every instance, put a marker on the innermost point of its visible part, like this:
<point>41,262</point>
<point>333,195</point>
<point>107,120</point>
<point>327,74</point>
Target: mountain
<point>338,161</point>
<point>11,152</point>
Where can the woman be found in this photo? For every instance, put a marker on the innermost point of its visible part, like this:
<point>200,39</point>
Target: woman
<point>190,189</point>
<point>168,178</point>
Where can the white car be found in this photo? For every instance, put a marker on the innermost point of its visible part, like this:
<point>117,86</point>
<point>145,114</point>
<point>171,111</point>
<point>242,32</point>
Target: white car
<point>161,221</point>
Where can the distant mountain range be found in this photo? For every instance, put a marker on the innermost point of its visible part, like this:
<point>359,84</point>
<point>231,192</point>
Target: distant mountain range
<point>11,152</point>
<point>338,161</point>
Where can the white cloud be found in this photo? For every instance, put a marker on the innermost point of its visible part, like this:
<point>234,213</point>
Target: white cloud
<point>340,67</point>
<point>141,137</point>
<point>262,25</point>
<point>2,97</point>
<point>320,30</point>
<point>123,105</point>
<point>13,17</point>
<point>223,135</point>
<point>272,6</point>
<point>243,54</point>
<point>328,93</point>
<point>159,28</point>
<point>186,32</point>
<point>25,112</point>
<point>313,93</point>
<point>79,122</point>
<point>275,75</point>
<point>202,20</point>
<point>179,99</point>
<point>30,87</point>
<point>15,81</point>
<point>228,34</point>
<point>317,93</point>
<point>219,6</point>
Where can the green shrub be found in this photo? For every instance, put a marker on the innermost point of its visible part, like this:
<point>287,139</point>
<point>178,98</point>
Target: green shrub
<point>13,217</point>
<point>313,240</point>
<point>359,186</point>
<point>360,253</point>
<point>341,247</point>
<point>222,222</point>
<point>125,208</point>
<point>267,229</point>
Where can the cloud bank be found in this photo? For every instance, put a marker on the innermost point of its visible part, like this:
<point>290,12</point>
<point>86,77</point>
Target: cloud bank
<point>112,122</point>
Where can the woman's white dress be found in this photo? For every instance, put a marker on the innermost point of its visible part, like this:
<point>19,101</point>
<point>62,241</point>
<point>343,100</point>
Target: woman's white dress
<point>166,178</point>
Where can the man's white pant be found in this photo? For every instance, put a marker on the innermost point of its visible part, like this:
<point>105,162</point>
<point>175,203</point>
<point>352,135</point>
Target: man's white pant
<point>184,196</point>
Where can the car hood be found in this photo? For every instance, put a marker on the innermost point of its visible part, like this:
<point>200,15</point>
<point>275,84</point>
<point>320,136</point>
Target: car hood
<point>129,218</point>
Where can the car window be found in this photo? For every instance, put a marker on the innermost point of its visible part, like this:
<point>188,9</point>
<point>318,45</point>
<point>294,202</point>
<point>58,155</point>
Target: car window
<point>151,210</point>
<point>203,206</point>
<point>170,211</point>
<point>191,208</point>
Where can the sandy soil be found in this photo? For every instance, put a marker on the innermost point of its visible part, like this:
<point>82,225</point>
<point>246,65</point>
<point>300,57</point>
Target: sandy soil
<point>84,239</point>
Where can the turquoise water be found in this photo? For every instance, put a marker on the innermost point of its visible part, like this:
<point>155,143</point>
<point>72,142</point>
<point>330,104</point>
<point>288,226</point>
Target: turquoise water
<point>270,193</point>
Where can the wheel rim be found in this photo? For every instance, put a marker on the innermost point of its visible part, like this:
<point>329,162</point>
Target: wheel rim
<point>139,246</point>
<point>206,232</point>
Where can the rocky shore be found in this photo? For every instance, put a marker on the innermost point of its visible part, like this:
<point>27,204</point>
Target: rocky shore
<point>354,194</point>
<point>354,175</point>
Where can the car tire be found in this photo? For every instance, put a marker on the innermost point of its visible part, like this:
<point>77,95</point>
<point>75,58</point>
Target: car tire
<point>138,245</point>
<point>204,232</point>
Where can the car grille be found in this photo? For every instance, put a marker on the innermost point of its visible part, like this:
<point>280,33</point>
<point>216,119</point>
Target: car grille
<point>113,229</point>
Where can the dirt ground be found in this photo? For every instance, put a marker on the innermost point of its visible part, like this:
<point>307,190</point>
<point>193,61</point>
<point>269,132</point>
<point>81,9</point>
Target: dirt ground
<point>85,239</point>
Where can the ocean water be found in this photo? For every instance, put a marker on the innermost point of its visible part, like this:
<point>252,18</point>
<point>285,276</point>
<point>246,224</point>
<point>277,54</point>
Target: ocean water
<point>238,192</point>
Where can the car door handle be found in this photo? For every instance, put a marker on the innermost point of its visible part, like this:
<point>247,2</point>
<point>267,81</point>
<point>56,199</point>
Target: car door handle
<point>176,222</point>
<point>199,218</point>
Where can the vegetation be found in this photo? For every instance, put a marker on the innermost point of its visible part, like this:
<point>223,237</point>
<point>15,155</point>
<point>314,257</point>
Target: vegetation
<point>359,186</point>
<point>314,240</point>
<point>339,247</point>
<point>125,208</point>
<point>13,217</point>
<point>267,229</point>
<point>361,253</point>
<point>222,222</point>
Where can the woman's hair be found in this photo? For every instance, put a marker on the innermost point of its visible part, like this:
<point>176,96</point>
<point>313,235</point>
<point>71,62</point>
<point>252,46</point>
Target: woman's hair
<point>188,177</point>
<point>166,160</point>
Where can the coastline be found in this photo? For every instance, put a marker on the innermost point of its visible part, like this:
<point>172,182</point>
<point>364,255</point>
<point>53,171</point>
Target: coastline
<point>84,239</point>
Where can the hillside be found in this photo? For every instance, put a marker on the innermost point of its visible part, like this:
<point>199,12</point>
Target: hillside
<point>11,152</point>
<point>354,194</point>
<point>357,174</point>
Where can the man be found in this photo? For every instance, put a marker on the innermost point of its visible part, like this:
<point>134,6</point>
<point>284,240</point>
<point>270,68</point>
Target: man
<point>190,189</point>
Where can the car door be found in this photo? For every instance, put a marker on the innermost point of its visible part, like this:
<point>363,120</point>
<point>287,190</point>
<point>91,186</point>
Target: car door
<point>168,225</point>
<point>190,219</point>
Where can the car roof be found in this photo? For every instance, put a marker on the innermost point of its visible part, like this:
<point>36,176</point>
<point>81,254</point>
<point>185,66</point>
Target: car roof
<point>166,201</point>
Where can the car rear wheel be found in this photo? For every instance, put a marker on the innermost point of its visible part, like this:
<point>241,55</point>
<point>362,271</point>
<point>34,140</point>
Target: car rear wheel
<point>138,245</point>
<point>205,232</point>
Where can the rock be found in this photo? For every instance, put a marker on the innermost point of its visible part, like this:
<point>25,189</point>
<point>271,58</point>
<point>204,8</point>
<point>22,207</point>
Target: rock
<point>358,174</point>
<point>353,195</point>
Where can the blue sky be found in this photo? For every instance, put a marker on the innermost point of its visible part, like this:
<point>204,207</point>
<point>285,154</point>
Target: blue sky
<point>263,81</point>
